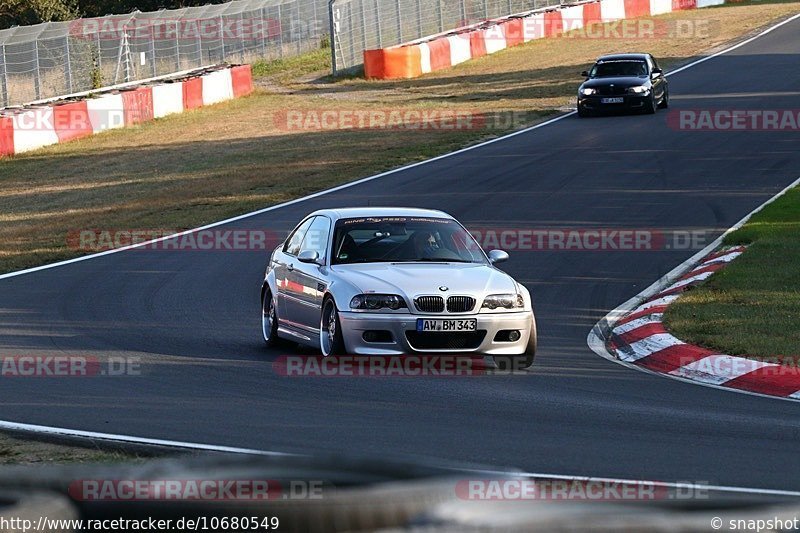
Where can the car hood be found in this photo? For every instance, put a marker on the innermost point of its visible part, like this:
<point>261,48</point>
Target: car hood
<point>415,279</point>
<point>620,81</point>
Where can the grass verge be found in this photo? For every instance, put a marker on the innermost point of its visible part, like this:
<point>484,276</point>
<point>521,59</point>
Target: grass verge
<point>752,307</point>
<point>30,452</point>
<point>228,159</point>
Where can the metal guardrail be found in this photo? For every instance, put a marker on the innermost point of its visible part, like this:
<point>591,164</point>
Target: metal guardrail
<point>58,58</point>
<point>358,25</point>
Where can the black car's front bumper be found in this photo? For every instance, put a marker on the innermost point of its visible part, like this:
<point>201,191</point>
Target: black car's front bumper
<point>630,103</point>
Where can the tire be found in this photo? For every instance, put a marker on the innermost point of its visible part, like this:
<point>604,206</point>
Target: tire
<point>582,113</point>
<point>520,362</point>
<point>330,343</point>
<point>269,320</point>
<point>664,104</point>
<point>650,106</point>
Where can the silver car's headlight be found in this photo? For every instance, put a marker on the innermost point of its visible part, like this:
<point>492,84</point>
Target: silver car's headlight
<point>374,302</point>
<point>588,91</point>
<point>503,301</point>
<point>641,89</point>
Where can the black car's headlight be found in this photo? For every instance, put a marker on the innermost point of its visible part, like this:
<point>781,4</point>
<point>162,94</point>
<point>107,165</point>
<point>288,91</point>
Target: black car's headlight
<point>503,301</point>
<point>377,301</point>
<point>640,89</point>
<point>588,91</point>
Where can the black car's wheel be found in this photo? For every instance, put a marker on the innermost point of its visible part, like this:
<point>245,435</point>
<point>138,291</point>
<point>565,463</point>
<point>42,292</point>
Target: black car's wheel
<point>520,362</point>
<point>582,112</point>
<point>650,105</point>
<point>665,100</point>
<point>331,341</point>
<point>269,320</point>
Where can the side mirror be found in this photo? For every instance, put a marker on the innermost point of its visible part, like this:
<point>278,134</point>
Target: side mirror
<point>497,256</point>
<point>585,73</point>
<point>656,73</point>
<point>309,256</point>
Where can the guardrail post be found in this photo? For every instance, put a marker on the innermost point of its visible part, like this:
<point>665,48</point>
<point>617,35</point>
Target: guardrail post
<point>315,20</point>
<point>363,23</point>
<point>331,29</point>
<point>350,33</point>
<point>280,33</point>
<point>4,77</point>
<point>264,33</point>
<point>222,37</point>
<point>177,47</point>
<point>419,18</point>
<point>153,67</point>
<point>99,52</point>
<point>378,23</point>
<point>399,23</point>
<point>69,65</point>
<point>297,34</point>
<point>199,41</point>
<point>241,33</point>
<point>37,81</point>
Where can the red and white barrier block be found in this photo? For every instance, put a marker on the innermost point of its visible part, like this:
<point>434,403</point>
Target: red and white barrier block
<point>640,338</point>
<point>437,52</point>
<point>29,128</point>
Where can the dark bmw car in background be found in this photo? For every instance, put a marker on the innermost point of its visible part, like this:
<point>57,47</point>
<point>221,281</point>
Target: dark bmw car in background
<point>623,82</point>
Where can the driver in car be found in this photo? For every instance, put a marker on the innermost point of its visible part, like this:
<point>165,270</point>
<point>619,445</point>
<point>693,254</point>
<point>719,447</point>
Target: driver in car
<point>425,245</point>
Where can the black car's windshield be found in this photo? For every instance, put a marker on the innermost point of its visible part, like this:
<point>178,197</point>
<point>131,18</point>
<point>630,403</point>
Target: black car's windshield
<point>403,239</point>
<point>619,68</point>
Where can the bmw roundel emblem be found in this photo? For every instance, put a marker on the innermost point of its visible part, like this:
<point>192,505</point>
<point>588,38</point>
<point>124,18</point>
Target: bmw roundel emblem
<point>444,289</point>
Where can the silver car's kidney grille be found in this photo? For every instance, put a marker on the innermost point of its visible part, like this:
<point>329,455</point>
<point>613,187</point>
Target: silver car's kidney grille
<point>460,304</point>
<point>429,304</point>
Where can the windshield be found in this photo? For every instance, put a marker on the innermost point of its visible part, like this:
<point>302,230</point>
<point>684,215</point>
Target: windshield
<point>403,239</point>
<point>619,68</point>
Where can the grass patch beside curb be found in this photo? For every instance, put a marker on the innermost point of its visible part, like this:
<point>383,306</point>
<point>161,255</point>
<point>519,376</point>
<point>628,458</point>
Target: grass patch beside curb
<point>751,308</point>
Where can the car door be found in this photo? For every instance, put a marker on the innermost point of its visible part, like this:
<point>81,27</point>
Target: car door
<point>310,278</point>
<point>285,262</point>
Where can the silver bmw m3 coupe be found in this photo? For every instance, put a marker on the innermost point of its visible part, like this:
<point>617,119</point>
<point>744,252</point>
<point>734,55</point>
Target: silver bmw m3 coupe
<point>393,281</point>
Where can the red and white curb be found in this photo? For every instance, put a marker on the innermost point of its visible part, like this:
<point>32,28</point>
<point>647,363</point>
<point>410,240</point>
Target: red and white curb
<point>639,338</point>
<point>27,128</point>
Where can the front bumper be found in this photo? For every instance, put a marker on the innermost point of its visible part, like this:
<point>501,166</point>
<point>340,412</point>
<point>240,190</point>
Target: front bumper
<point>630,102</point>
<point>355,324</point>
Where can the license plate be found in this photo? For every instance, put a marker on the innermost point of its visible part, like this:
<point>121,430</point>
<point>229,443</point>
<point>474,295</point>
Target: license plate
<point>467,324</point>
<point>615,100</point>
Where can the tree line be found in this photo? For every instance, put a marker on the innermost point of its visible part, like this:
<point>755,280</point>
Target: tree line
<point>25,12</point>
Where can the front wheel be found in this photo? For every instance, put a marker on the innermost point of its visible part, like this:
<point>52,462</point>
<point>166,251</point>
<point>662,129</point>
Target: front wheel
<point>331,341</point>
<point>269,320</point>
<point>650,105</point>
<point>520,362</point>
<point>665,100</point>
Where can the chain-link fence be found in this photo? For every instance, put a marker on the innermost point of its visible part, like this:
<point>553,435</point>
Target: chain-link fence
<point>59,58</point>
<point>359,25</point>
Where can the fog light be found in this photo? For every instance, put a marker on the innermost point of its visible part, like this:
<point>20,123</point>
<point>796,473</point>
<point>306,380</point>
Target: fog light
<point>514,336</point>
